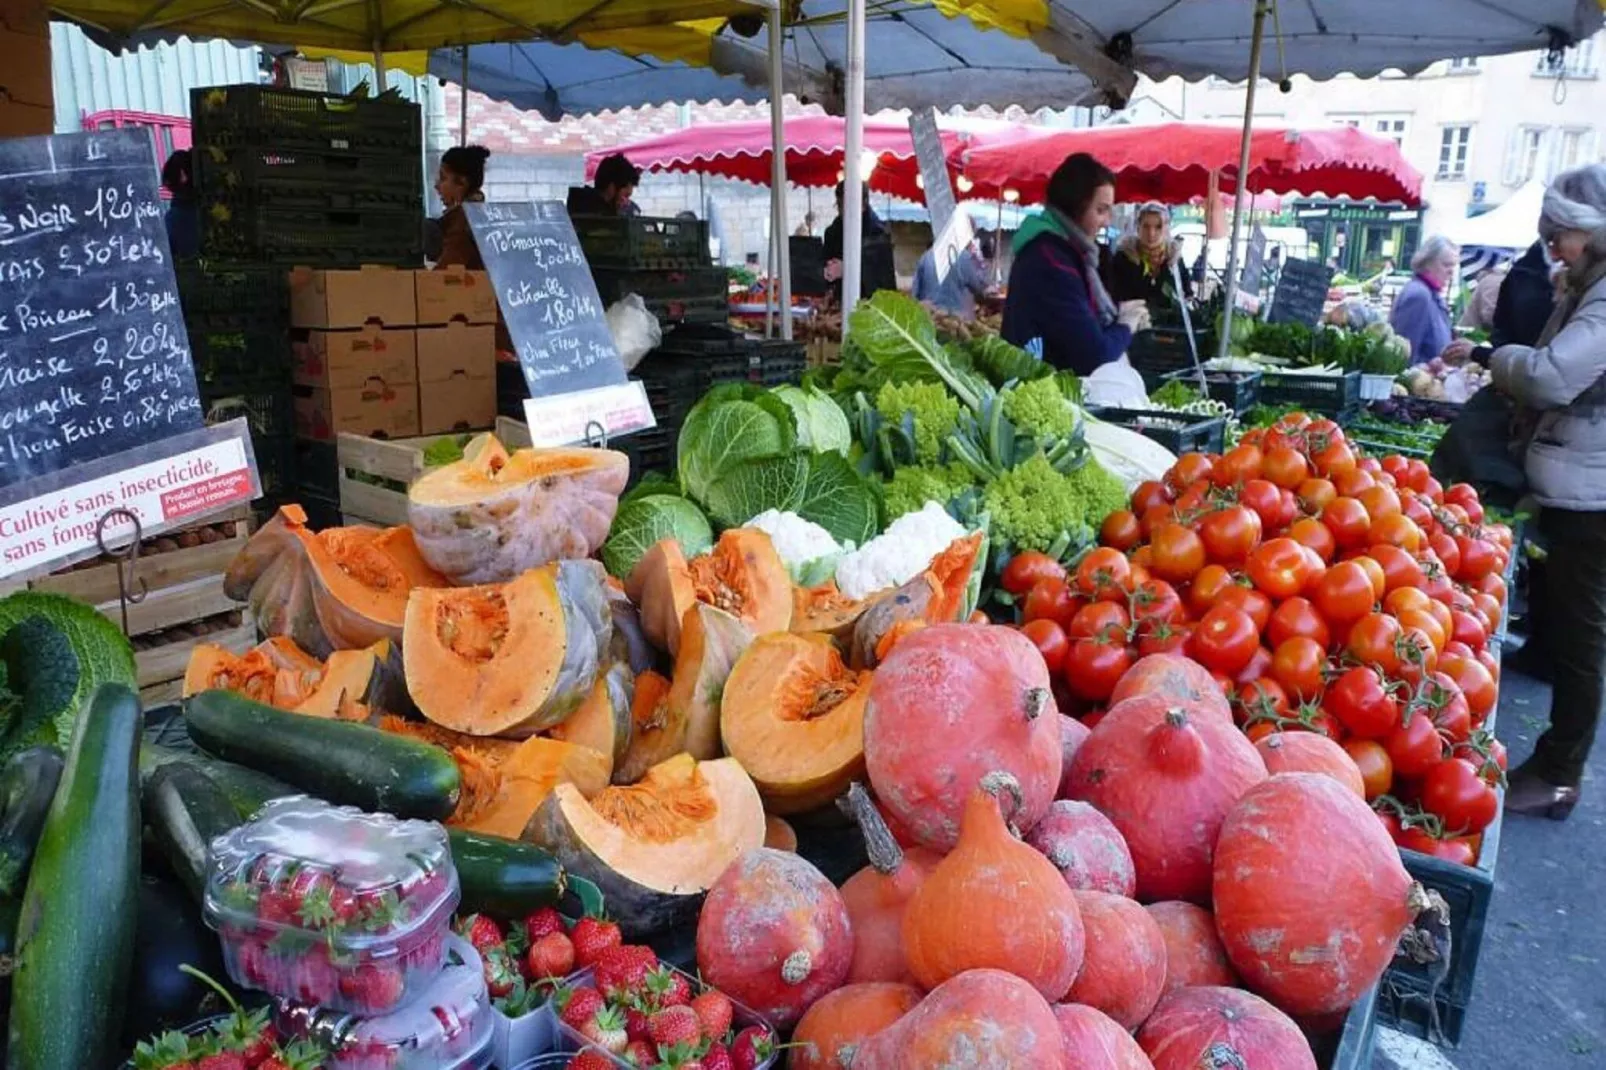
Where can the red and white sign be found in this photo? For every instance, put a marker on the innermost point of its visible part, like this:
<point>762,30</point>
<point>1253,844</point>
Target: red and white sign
<point>58,525</point>
<point>582,415</point>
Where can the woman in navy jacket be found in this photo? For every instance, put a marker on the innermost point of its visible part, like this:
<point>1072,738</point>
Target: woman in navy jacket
<point>1057,302</point>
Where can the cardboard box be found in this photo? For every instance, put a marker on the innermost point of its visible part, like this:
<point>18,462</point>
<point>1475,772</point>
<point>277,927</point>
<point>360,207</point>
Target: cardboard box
<point>376,409</point>
<point>456,378</point>
<point>25,69</point>
<point>341,360</point>
<point>348,299</point>
<point>453,294</point>
<point>25,120</point>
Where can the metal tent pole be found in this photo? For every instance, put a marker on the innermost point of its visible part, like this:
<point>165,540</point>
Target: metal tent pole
<point>853,191</point>
<point>462,102</point>
<point>782,241</point>
<point>1262,8</point>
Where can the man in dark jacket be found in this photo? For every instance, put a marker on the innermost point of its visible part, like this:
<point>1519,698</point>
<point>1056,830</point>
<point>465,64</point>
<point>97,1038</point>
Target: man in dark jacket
<point>876,269</point>
<point>610,191</point>
<point>1527,298</point>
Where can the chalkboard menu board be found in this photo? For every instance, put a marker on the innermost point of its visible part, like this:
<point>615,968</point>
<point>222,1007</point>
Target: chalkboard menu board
<point>548,298</point>
<point>1301,293</point>
<point>94,359</point>
<point>933,161</point>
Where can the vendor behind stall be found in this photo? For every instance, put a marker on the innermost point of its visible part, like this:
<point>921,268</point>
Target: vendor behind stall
<point>876,270</point>
<point>967,279</point>
<point>610,190</point>
<point>458,182</point>
<point>184,210</point>
<point>1139,268</point>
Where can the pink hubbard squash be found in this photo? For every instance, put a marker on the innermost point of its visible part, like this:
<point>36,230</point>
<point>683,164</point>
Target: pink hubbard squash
<point>1086,847</point>
<point>1166,775</point>
<point>1073,734</point>
<point>1194,956</point>
<point>1222,1029</point>
<point>1177,680</point>
<point>830,1033</point>
<point>1123,968</point>
<point>774,934</point>
<point>994,902</point>
<point>1310,894</point>
<point>1095,1041</point>
<point>950,704</point>
<point>978,1020</point>
<point>877,895</point>
<point>1310,752</point>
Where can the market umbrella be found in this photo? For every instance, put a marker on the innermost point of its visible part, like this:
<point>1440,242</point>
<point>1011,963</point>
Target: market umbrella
<point>1173,162</point>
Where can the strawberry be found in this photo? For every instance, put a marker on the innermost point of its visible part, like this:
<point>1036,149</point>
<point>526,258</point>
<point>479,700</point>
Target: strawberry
<point>312,977</point>
<point>500,973</point>
<point>223,1060</point>
<point>668,988</point>
<point>622,971</point>
<point>170,1051</point>
<point>606,1030</point>
<point>636,1023</point>
<point>591,937</point>
<point>300,1055</point>
<point>374,987</point>
<point>714,1011</point>
<point>426,955</point>
<point>577,1005</point>
<point>542,922</point>
<point>481,931</point>
<point>717,1057</point>
<point>640,1052</point>
<point>675,1025</point>
<point>551,956</point>
<point>680,1057</point>
<point>590,1059</point>
<point>751,1047</point>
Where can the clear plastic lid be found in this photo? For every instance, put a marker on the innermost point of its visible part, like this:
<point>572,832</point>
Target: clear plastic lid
<point>444,1028</point>
<point>361,881</point>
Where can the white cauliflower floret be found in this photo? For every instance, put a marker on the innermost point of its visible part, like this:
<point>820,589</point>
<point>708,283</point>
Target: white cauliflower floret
<point>808,550</point>
<point>899,553</point>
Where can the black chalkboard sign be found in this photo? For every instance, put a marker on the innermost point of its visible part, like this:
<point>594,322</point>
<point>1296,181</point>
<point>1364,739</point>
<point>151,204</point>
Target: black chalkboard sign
<point>548,297</point>
<point>1301,293</point>
<point>93,355</point>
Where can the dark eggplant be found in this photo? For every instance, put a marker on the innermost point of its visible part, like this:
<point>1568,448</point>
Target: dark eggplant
<point>27,784</point>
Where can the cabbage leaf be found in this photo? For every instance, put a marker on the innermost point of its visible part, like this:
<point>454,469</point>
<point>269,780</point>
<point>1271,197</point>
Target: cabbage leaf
<point>839,499</point>
<point>732,424</point>
<point>642,522</point>
<point>822,426</point>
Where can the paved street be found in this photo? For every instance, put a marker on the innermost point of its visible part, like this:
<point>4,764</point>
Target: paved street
<point>1540,1000</point>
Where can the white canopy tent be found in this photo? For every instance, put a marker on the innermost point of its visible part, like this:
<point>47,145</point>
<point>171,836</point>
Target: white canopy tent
<point>1511,225</point>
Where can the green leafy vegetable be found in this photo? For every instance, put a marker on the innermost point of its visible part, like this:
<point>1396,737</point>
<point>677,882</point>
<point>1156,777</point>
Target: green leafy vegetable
<point>822,426</point>
<point>1038,408</point>
<point>56,650</point>
<point>444,451</point>
<point>933,411</point>
<point>725,429</point>
<point>839,499</point>
<point>893,336</point>
<point>911,487</point>
<point>750,488</point>
<point>1002,362</point>
<point>643,521</point>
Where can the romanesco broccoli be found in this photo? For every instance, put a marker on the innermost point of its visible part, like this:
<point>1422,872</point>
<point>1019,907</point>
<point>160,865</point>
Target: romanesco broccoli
<point>911,488</point>
<point>936,414</point>
<point>1032,504</point>
<point>1039,409</point>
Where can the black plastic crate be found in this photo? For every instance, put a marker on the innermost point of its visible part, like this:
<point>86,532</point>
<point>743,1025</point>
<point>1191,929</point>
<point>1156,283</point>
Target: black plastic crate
<point>1238,390</point>
<point>251,170</point>
<point>1350,1048</point>
<point>677,295</point>
<point>330,238</point>
<point>1331,395</point>
<point>233,296</point>
<point>317,467</point>
<point>224,357</point>
<point>276,466</point>
<point>236,115</point>
<point>1200,434</point>
<point>636,243</point>
<point>266,405</point>
<point>1159,351</point>
<point>652,450</point>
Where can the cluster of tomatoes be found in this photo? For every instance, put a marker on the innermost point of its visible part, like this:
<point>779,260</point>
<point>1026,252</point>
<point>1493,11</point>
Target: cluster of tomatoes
<point>1325,591</point>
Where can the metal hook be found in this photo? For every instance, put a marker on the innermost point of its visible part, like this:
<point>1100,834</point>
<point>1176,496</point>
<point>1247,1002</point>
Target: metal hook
<point>126,559</point>
<point>596,439</point>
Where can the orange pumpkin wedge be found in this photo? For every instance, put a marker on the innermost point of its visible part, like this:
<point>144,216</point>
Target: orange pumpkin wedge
<point>793,714</point>
<point>742,575</point>
<point>278,673</point>
<point>603,721</point>
<point>935,596</point>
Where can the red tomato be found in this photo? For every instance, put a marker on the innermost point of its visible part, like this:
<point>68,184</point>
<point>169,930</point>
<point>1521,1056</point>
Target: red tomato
<point>1225,639</point>
<point>1190,468</point>
<point>1259,665</point>
<point>1263,699</point>
<point>1314,494</point>
<point>1284,466</point>
<point>1099,619</point>
<point>1466,496</point>
<point>1463,800</point>
<point>1477,559</point>
<point>1360,701</point>
<point>1448,549</point>
<point>1230,533</point>
<point>1489,608</point>
<point>1092,667</point>
<point>1350,482</point>
<point>1451,714</point>
<point>1396,529</point>
<point>1296,617</point>
<point>1487,755</point>
<point>1465,628</point>
<point>1156,600</point>
<point>1375,640</point>
<point>1426,623</point>
<point>1265,499</point>
<point>1278,568</point>
<point>1494,586</point>
<point>1414,747</point>
<point>1377,772</point>
<point>1148,494</point>
<point>1314,535</point>
<point>1400,569</point>
<point>1380,501</point>
<point>1347,519</point>
<point>1051,599</point>
<point>1162,637</point>
<point>1050,640</point>
<point>1248,599</point>
<point>1456,849</point>
<point>1374,572</point>
<point>1177,551</point>
<point>1207,587</point>
<point>1103,575</point>
<point>1417,475</point>
<point>1027,569</point>
<point>1238,465</point>
<point>1121,529</point>
<point>1298,665</point>
<point>1344,593</point>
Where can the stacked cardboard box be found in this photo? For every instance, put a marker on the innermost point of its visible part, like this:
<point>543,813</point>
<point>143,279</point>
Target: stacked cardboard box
<point>26,105</point>
<point>456,350</point>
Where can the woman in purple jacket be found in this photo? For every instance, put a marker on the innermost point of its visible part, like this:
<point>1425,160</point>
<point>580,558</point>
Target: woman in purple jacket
<point>1419,315</point>
<point>1057,303</point>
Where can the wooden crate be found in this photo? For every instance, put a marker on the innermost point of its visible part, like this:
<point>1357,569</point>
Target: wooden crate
<point>398,462</point>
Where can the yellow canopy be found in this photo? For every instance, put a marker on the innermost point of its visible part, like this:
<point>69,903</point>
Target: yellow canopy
<point>394,26</point>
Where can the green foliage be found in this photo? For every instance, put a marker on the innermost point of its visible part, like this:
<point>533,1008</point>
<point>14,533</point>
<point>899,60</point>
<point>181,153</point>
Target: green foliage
<point>910,488</point>
<point>821,424</point>
<point>641,522</point>
<point>445,450</point>
<point>1175,394</point>
<point>1002,362</point>
<point>935,413</point>
<point>731,424</point>
<point>891,337</point>
<point>56,650</point>
<point>1039,408</point>
<point>1034,506</point>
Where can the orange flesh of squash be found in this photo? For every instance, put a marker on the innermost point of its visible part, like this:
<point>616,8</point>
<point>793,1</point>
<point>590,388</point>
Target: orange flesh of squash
<point>825,609</point>
<point>671,800</point>
<point>278,673</point>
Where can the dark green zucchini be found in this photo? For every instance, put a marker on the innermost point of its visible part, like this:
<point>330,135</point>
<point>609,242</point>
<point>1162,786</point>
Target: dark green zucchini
<point>75,938</point>
<point>246,788</point>
<point>339,761</point>
<point>184,811</point>
<point>27,784</point>
<point>504,878</point>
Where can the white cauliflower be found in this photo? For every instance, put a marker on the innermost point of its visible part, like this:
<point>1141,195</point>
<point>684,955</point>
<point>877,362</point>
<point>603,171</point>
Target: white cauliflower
<point>808,550</point>
<point>899,553</point>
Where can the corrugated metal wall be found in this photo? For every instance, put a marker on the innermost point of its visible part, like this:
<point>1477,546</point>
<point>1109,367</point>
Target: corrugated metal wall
<point>89,79</point>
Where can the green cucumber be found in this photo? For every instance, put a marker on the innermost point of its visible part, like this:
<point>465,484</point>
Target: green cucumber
<point>185,810</point>
<point>27,784</point>
<point>504,878</point>
<point>339,761</point>
<point>246,788</point>
<point>75,938</point>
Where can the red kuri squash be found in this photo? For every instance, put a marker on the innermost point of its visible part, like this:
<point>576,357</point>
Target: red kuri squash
<point>1176,679</point>
<point>979,1020</point>
<point>1086,847</point>
<point>1073,734</point>
<point>1310,752</point>
<point>1123,968</point>
<point>830,1033</point>
<point>1095,1041</point>
<point>1193,1028</point>
<point>1310,894</point>
<point>950,704</point>
<point>1194,956</point>
<point>877,895</point>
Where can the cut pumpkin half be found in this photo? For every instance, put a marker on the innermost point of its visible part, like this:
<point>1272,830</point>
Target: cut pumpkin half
<point>495,515</point>
<point>935,596</point>
<point>742,575</point>
<point>278,673</point>
<point>826,610</point>
<point>508,659</point>
<point>793,714</point>
<point>603,721</point>
<point>655,847</point>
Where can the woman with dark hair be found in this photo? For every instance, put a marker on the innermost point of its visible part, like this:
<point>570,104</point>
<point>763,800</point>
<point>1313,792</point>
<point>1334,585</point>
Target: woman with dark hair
<point>460,181</point>
<point>184,209</point>
<point>1057,301</point>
